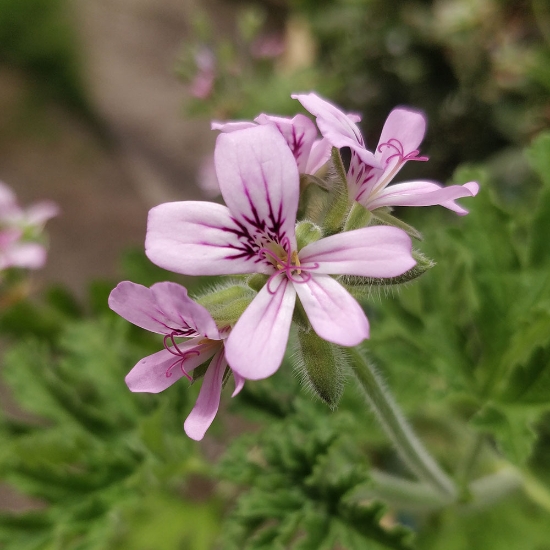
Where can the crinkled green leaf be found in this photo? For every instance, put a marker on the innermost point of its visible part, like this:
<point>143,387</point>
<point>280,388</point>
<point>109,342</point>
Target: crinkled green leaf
<point>512,428</point>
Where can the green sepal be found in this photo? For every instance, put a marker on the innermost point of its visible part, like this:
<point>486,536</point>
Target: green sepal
<point>383,217</point>
<point>359,286</point>
<point>226,303</point>
<point>307,232</point>
<point>321,366</point>
<point>338,204</point>
<point>358,217</point>
<point>257,281</point>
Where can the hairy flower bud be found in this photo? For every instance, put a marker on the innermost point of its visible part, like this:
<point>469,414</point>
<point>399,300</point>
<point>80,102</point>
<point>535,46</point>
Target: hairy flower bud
<point>227,303</point>
<point>321,366</point>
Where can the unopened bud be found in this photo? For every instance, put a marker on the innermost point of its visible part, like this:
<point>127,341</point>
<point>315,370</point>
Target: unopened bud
<point>227,303</point>
<point>321,366</point>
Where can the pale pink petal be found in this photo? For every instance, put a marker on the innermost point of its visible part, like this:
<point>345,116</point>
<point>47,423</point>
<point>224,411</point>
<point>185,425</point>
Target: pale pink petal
<point>9,236</point>
<point>299,132</point>
<point>24,255</point>
<point>333,313</point>
<point>137,304</point>
<point>38,214</point>
<point>208,401</point>
<point>256,345</point>
<point>378,251</point>
<point>202,85</point>
<point>7,197</point>
<point>424,193</point>
<point>335,125</point>
<point>198,238</point>
<point>318,156</point>
<point>173,301</point>
<point>403,132</point>
<point>239,384</point>
<point>259,181</point>
<point>159,371</point>
<point>232,126</point>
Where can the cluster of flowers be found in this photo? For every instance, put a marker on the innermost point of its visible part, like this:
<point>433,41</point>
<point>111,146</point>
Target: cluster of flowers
<point>20,231</point>
<point>265,171</point>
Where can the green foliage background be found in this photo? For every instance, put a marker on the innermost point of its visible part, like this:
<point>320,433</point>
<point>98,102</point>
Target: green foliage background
<point>465,349</point>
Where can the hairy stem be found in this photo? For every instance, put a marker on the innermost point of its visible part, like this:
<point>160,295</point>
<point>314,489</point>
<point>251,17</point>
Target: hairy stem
<point>408,446</point>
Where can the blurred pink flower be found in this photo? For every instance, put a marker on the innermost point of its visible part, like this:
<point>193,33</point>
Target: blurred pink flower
<point>268,46</point>
<point>20,228</point>
<point>203,83</point>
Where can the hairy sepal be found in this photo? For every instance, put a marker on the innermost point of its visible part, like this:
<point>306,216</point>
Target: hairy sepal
<point>321,366</point>
<point>358,217</point>
<point>359,286</point>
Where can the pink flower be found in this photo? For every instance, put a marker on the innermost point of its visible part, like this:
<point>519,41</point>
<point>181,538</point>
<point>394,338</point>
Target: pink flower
<point>300,134</point>
<point>255,233</point>
<point>19,228</point>
<point>370,174</point>
<point>166,309</point>
<point>203,82</point>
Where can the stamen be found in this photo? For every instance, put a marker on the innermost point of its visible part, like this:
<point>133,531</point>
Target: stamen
<point>289,265</point>
<point>395,144</point>
<point>183,355</point>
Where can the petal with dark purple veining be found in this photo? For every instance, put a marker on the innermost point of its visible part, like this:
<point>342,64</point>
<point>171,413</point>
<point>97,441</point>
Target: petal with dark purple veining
<point>259,181</point>
<point>256,345</point>
<point>199,238</point>
<point>338,127</point>
<point>172,299</point>
<point>137,304</point>
<point>299,132</point>
<point>159,371</point>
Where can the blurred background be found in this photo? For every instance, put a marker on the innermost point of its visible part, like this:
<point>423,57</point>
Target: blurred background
<point>105,104</point>
<point>105,108</point>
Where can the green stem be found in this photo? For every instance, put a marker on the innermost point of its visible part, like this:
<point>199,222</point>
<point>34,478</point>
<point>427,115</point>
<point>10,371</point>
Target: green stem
<point>408,446</point>
<point>404,493</point>
<point>466,469</point>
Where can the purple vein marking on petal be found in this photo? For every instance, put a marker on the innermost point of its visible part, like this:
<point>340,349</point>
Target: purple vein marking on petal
<point>297,145</point>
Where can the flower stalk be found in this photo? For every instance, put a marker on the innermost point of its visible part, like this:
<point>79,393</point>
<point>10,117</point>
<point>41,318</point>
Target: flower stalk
<point>392,420</point>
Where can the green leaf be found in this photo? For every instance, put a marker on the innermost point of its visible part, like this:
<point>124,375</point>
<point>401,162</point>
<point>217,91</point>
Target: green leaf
<point>512,429</point>
<point>528,362</point>
<point>539,246</point>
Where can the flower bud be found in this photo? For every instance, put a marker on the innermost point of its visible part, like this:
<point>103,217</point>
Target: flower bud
<point>321,366</point>
<point>227,303</point>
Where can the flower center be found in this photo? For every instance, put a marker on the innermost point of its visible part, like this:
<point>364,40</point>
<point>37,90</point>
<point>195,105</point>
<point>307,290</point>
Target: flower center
<point>285,260</point>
